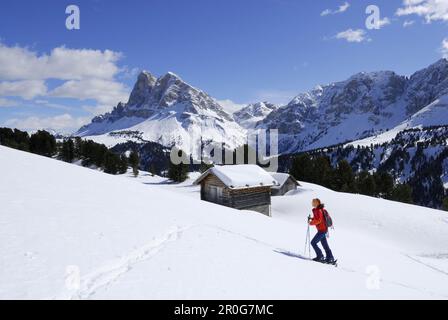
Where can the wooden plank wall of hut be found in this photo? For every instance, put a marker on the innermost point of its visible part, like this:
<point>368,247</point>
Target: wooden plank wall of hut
<point>212,180</point>
<point>251,197</point>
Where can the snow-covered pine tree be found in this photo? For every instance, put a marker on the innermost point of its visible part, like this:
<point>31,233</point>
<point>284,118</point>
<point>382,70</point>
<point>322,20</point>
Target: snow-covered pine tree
<point>134,161</point>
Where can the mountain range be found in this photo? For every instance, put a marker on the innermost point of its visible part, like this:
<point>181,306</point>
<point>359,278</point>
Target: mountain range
<point>368,105</point>
<point>168,111</point>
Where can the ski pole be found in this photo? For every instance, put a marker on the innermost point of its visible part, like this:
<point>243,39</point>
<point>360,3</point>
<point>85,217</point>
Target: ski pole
<point>306,242</point>
<point>307,239</point>
<point>309,242</point>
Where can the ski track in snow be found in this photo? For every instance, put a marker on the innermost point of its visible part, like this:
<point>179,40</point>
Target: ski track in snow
<point>302,257</point>
<point>108,273</point>
<point>427,265</point>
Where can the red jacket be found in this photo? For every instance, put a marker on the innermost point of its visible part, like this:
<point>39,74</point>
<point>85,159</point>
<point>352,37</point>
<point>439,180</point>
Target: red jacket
<point>318,219</point>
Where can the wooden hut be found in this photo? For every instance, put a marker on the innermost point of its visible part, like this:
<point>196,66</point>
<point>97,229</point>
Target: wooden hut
<point>286,183</point>
<point>243,187</point>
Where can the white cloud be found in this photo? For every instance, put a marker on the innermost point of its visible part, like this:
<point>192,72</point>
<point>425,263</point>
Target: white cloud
<point>431,10</point>
<point>64,122</point>
<point>444,48</point>
<point>408,23</point>
<point>27,89</point>
<point>326,12</point>
<point>382,22</point>
<point>103,91</point>
<point>230,106</point>
<point>8,103</point>
<point>342,8</point>
<point>86,74</point>
<point>350,35</point>
<point>17,63</point>
<point>52,105</point>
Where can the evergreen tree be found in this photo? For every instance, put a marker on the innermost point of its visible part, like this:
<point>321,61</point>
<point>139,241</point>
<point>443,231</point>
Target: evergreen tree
<point>43,143</point>
<point>302,168</point>
<point>178,172</point>
<point>445,204</point>
<point>15,139</point>
<point>402,193</point>
<point>67,151</point>
<point>92,153</point>
<point>366,184</point>
<point>321,171</point>
<point>134,162</point>
<point>343,177</point>
<point>111,163</point>
<point>123,164</point>
<point>153,169</point>
<point>79,148</point>
<point>384,184</point>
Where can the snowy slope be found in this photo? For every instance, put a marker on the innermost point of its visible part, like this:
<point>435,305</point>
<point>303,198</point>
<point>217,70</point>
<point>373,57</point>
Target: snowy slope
<point>146,238</point>
<point>435,114</point>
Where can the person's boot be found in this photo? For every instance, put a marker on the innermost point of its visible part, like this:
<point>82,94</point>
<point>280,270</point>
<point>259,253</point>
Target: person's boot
<point>330,260</point>
<point>319,259</point>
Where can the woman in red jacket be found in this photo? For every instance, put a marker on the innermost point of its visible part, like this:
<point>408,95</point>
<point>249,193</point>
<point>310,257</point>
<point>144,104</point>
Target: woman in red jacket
<point>318,220</point>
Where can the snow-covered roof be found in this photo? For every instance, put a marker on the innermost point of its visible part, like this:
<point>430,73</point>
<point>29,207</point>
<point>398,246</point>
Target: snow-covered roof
<point>281,177</point>
<point>240,176</point>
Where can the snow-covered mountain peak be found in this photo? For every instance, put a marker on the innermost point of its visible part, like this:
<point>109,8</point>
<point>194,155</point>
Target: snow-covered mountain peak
<point>363,105</point>
<point>172,75</point>
<point>169,111</point>
<point>147,74</point>
<point>260,108</point>
<point>427,85</point>
<point>248,116</point>
<point>142,88</point>
<point>171,89</point>
<point>436,72</point>
<point>441,63</point>
<point>374,75</point>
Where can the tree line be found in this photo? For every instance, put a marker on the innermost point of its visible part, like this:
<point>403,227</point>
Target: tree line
<point>356,177</point>
<point>416,157</point>
<point>342,177</point>
<point>88,152</point>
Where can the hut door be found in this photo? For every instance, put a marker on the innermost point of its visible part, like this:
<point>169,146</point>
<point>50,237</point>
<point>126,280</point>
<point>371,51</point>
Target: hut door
<point>213,193</point>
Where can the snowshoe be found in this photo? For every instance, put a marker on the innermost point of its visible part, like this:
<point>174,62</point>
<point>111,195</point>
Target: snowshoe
<point>331,261</point>
<point>319,259</point>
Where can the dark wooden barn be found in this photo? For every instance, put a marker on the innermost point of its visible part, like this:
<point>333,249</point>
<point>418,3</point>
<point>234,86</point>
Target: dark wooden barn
<point>286,183</point>
<point>243,187</point>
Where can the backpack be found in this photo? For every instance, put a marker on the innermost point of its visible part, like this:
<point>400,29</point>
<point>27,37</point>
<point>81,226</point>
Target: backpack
<point>327,218</point>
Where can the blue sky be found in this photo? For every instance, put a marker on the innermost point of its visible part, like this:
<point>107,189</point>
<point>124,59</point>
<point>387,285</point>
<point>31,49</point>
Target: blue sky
<point>238,50</point>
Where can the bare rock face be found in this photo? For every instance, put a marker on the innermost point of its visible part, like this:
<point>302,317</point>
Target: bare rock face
<point>425,86</point>
<point>142,88</point>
